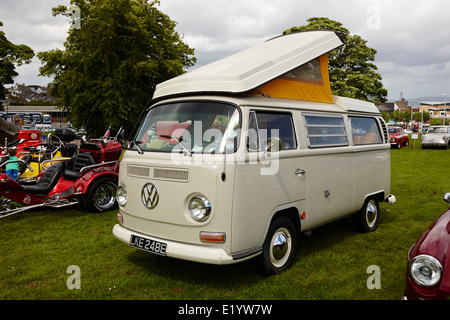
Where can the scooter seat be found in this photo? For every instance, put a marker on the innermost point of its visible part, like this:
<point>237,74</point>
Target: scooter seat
<point>47,181</point>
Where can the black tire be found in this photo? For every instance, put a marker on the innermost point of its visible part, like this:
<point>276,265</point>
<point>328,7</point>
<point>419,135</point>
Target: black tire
<point>366,220</point>
<point>279,246</point>
<point>101,196</point>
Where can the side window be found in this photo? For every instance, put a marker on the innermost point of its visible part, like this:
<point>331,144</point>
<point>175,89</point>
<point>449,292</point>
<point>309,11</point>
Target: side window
<point>270,127</point>
<point>365,131</point>
<point>252,135</point>
<point>326,131</point>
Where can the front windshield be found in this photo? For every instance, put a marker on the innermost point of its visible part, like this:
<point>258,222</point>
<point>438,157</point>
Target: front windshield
<point>438,130</point>
<point>192,127</point>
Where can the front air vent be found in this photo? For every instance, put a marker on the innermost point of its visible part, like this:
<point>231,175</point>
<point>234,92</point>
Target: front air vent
<point>171,174</point>
<point>138,171</point>
<point>158,173</point>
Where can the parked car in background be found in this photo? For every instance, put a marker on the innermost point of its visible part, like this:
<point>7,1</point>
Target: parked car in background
<point>398,137</point>
<point>437,136</point>
<point>428,274</point>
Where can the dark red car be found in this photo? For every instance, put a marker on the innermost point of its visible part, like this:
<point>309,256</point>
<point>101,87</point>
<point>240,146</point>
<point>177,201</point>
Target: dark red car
<point>398,137</point>
<point>428,273</point>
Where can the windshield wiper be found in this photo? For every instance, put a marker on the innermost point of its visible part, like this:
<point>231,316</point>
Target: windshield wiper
<point>136,143</point>
<point>178,140</point>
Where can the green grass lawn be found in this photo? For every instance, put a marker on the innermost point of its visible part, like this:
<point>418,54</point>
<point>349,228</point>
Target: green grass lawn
<point>37,247</point>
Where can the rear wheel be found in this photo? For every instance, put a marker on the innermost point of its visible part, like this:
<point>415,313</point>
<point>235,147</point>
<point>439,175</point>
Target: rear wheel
<point>101,196</point>
<point>366,219</point>
<point>279,246</point>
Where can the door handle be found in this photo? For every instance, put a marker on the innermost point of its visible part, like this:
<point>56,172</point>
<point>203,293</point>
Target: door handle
<point>300,172</point>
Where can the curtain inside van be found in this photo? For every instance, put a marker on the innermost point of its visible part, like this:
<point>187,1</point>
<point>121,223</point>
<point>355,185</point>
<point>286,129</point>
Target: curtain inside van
<point>309,82</point>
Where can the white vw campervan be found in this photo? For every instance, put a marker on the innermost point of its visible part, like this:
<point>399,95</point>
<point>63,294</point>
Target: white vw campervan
<point>235,159</point>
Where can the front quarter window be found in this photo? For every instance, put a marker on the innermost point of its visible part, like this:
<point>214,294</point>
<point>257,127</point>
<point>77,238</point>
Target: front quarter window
<point>190,127</point>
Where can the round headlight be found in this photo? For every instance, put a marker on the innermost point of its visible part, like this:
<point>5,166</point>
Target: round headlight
<point>121,195</point>
<point>199,208</point>
<point>425,270</point>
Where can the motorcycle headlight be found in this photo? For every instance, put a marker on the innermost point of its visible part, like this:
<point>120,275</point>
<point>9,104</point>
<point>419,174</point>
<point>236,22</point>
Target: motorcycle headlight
<point>121,195</point>
<point>425,270</point>
<point>199,208</point>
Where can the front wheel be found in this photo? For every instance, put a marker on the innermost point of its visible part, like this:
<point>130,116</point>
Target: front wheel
<point>101,196</point>
<point>366,219</point>
<point>279,246</point>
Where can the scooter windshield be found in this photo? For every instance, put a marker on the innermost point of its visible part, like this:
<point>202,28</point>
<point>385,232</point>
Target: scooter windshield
<point>190,127</point>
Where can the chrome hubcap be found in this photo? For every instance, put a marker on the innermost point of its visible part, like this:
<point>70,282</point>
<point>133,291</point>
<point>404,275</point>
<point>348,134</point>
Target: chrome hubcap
<point>280,247</point>
<point>104,196</point>
<point>371,213</point>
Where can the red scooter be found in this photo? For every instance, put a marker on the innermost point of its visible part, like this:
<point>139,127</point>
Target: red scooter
<point>90,177</point>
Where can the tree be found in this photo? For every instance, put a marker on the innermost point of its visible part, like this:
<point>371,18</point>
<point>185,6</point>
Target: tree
<point>421,116</point>
<point>386,116</point>
<point>438,122</point>
<point>112,61</point>
<point>352,73</point>
<point>11,55</point>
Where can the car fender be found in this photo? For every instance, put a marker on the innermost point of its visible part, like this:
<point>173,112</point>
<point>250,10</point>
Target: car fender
<point>83,183</point>
<point>435,241</point>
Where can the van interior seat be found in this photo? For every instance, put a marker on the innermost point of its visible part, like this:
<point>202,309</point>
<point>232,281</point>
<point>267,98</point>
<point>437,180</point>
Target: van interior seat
<point>47,181</point>
<point>74,165</point>
<point>371,137</point>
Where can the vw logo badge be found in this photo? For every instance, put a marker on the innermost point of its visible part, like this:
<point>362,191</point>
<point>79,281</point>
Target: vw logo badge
<point>150,195</point>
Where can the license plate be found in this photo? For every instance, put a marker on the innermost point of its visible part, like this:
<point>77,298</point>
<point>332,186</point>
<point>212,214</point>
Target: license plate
<point>152,246</point>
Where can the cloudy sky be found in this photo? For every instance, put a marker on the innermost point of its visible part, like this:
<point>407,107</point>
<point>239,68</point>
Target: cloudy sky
<point>412,37</point>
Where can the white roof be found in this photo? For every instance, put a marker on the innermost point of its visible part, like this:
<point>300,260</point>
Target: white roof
<point>252,67</point>
<point>350,104</point>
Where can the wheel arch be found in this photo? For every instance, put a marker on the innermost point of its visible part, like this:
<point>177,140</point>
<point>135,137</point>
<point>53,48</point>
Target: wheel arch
<point>290,212</point>
<point>97,177</point>
<point>379,196</point>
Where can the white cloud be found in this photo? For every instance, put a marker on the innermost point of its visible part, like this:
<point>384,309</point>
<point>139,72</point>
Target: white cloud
<point>31,22</point>
<point>411,37</point>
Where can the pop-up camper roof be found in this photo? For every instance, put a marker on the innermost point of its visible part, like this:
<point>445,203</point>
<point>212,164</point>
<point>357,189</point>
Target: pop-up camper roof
<point>293,66</point>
